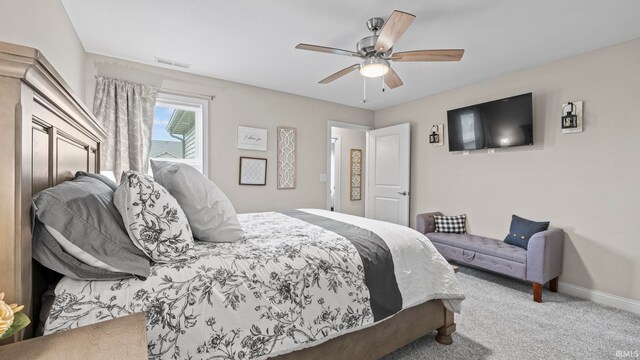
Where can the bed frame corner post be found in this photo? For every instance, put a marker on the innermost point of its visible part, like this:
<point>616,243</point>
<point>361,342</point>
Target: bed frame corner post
<point>445,331</point>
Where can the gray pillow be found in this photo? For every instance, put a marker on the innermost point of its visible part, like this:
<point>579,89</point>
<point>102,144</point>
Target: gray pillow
<point>153,218</point>
<point>210,213</point>
<point>78,232</point>
<point>110,183</point>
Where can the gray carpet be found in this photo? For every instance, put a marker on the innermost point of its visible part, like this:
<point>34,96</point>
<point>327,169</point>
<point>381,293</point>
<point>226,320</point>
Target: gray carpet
<point>499,320</point>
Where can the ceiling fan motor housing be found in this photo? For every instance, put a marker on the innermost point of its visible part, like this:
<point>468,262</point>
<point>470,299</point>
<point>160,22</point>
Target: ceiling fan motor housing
<point>366,47</point>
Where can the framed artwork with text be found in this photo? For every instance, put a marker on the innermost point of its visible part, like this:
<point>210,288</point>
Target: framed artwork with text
<point>252,138</point>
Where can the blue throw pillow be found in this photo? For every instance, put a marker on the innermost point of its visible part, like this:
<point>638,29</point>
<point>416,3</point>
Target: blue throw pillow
<point>522,230</point>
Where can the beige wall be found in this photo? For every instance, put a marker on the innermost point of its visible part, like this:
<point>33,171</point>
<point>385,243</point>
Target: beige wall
<point>238,104</point>
<point>350,139</point>
<point>44,25</point>
<point>586,183</point>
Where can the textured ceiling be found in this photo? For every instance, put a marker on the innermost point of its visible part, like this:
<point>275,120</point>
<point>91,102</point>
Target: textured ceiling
<point>252,42</point>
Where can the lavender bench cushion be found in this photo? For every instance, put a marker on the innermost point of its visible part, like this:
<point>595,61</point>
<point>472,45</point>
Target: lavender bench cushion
<point>483,261</point>
<point>482,245</point>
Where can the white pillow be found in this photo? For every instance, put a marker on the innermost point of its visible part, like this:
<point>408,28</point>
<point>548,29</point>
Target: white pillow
<point>153,218</point>
<point>210,213</point>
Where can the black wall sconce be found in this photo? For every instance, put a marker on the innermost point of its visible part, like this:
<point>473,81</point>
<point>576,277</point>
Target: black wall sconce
<point>434,137</point>
<point>570,120</point>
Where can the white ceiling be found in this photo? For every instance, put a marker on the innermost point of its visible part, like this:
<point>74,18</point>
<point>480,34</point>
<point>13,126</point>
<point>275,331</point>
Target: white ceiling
<point>252,42</point>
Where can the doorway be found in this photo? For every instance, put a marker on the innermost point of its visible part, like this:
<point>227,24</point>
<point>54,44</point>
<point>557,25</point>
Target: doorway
<point>346,167</point>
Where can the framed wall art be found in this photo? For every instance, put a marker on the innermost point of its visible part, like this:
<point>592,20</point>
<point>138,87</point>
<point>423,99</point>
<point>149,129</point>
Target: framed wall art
<point>253,171</point>
<point>355,189</point>
<point>286,158</point>
<point>252,138</point>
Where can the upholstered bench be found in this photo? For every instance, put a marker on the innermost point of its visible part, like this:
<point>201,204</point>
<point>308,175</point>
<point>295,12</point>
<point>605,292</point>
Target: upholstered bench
<point>540,263</point>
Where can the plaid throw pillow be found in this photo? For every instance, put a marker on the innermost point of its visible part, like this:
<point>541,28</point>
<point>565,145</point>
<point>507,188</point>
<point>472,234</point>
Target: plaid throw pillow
<point>451,224</point>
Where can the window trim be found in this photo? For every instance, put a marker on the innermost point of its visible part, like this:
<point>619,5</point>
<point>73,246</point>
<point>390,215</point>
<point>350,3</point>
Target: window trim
<point>189,103</point>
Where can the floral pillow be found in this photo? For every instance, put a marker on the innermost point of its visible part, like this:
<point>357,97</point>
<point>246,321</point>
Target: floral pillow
<point>153,218</point>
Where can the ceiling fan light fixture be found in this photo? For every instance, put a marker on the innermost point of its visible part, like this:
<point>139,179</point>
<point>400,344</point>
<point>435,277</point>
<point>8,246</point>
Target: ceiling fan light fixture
<point>374,67</point>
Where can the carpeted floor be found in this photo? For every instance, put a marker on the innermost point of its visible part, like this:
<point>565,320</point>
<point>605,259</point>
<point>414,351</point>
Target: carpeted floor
<point>499,320</point>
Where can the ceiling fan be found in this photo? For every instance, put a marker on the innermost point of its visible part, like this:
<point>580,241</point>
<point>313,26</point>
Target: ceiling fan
<point>377,50</point>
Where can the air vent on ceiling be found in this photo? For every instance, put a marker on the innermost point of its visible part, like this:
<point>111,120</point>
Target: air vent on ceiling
<point>172,63</point>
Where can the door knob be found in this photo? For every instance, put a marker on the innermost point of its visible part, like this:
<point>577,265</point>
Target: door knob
<point>403,193</point>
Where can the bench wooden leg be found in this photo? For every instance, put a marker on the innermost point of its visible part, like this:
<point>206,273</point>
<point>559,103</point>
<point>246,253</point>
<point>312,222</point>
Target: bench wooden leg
<point>553,284</point>
<point>537,292</point>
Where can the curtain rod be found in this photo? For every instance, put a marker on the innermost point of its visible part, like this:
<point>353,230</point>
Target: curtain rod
<point>180,92</point>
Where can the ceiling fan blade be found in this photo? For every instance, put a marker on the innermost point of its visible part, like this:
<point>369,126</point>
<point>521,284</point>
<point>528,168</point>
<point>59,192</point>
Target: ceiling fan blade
<point>395,26</point>
<point>339,74</point>
<point>328,50</point>
<point>429,55</point>
<point>392,79</point>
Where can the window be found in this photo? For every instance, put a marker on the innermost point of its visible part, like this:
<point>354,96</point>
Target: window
<point>179,128</point>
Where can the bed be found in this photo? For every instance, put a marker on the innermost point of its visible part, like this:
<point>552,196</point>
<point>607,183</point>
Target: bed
<point>338,311</point>
<point>298,279</point>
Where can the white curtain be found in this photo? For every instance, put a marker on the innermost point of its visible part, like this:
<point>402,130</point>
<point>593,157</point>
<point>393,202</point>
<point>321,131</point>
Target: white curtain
<point>125,109</point>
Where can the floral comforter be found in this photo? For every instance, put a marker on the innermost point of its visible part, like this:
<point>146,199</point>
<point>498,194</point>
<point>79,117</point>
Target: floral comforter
<point>290,285</point>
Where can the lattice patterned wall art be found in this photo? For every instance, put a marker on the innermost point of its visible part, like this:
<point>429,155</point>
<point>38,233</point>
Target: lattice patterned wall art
<point>286,158</point>
<point>356,174</point>
<point>253,171</point>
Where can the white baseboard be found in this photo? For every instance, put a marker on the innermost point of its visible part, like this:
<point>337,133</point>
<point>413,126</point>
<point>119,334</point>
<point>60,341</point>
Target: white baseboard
<point>600,297</point>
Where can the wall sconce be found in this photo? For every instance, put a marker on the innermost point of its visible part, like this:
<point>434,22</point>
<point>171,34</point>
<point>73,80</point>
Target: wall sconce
<point>436,135</point>
<point>570,120</point>
<point>571,117</point>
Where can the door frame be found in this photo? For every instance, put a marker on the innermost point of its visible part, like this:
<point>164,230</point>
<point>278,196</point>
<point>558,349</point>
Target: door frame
<point>344,125</point>
<point>337,153</point>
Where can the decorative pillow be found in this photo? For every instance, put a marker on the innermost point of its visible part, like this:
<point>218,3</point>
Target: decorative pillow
<point>210,213</point>
<point>521,230</point>
<point>451,224</point>
<point>153,218</point>
<point>78,232</point>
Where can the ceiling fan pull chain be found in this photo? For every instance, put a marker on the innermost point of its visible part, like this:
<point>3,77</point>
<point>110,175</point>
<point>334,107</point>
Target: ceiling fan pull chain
<point>364,90</point>
<point>382,77</point>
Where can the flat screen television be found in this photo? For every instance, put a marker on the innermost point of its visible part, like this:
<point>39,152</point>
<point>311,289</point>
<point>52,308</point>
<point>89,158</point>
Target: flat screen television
<point>495,124</point>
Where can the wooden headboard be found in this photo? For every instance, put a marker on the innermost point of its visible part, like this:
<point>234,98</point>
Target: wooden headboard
<point>47,134</point>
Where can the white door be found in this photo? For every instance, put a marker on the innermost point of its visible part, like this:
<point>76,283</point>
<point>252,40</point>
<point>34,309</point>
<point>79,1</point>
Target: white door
<point>388,172</point>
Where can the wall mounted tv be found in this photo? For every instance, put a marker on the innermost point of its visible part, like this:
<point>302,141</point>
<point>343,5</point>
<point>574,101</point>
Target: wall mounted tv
<point>495,124</point>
